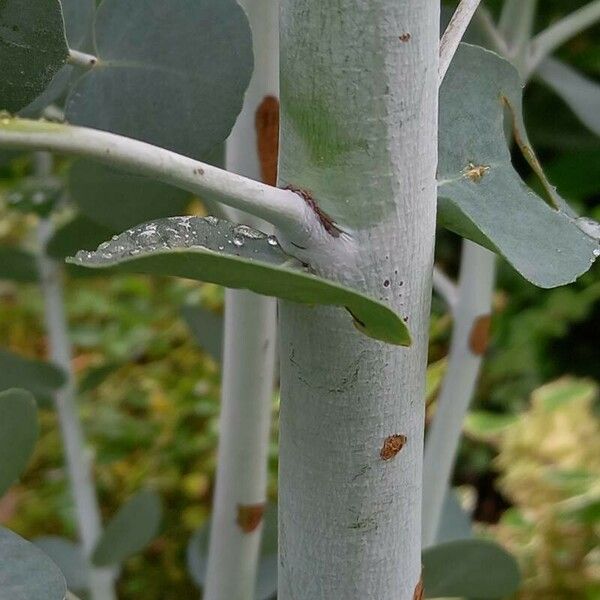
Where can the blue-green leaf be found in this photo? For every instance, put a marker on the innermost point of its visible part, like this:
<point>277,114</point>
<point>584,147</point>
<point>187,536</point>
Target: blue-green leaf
<point>26,573</point>
<point>206,327</point>
<point>481,196</point>
<point>118,200</point>
<point>130,530</point>
<point>78,234</point>
<point>170,73</point>
<point>469,569</point>
<point>18,265</point>
<point>41,378</point>
<point>209,249</point>
<point>69,558</point>
<point>18,434</point>
<point>32,50</point>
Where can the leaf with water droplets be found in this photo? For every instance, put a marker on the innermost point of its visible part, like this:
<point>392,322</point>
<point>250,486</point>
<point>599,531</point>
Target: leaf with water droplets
<point>481,196</point>
<point>32,50</point>
<point>170,73</point>
<point>236,256</point>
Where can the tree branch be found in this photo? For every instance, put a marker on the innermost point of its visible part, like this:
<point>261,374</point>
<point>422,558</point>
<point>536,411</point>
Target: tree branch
<point>454,33</point>
<point>285,209</point>
<point>543,44</point>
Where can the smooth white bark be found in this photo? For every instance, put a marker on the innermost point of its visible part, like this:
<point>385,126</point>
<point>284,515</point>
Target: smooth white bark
<point>359,130</point>
<point>81,59</point>
<point>468,338</point>
<point>77,456</point>
<point>248,362</point>
<point>282,208</point>
<point>445,287</point>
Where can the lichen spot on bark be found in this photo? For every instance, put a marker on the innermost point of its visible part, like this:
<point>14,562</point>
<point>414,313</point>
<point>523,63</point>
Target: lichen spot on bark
<point>249,516</point>
<point>392,445</point>
<point>475,172</point>
<point>405,37</point>
<point>479,337</point>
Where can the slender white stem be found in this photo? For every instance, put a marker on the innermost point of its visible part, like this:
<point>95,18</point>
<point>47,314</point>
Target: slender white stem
<point>546,42</point>
<point>81,59</point>
<point>77,456</point>
<point>509,17</point>
<point>283,208</point>
<point>352,410</point>
<point>248,363</point>
<point>466,355</point>
<point>454,33</point>
<point>445,287</point>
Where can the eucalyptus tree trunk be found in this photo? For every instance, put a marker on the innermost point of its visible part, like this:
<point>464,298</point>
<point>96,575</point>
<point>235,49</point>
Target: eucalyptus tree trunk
<point>359,88</point>
<point>249,348</point>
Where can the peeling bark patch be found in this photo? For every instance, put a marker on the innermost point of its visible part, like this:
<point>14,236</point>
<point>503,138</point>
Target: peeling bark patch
<point>405,37</point>
<point>475,172</point>
<point>249,516</point>
<point>325,220</point>
<point>266,123</point>
<point>419,592</point>
<point>480,335</point>
<point>392,445</point>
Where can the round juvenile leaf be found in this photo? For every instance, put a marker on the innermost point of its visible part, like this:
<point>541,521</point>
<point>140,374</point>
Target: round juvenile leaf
<point>469,569</point>
<point>18,434</point>
<point>41,378</point>
<point>18,265</point>
<point>169,73</point>
<point>32,49</point>
<point>68,557</point>
<point>26,573</point>
<point>118,200</point>
<point>130,530</point>
<point>455,523</point>
<point>209,249</point>
<point>78,234</point>
<point>207,328</point>
<point>481,196</point>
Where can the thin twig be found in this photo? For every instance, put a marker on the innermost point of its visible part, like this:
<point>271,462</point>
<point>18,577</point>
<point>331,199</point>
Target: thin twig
<point>454,34</point>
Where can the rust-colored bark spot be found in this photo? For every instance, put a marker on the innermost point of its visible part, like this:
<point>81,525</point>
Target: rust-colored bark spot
<point>419,592</point>
<point>475,172</point>
<point>327,222</point>
<point>405,37</point>
<point>392,445</point>
<point>480,335</point>
<point>267,138</point>
<point>249,516</point>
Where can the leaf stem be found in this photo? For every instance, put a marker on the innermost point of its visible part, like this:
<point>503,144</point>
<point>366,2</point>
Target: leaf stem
<point>543,44</point>
<point>454,33</point>
<point>285,209</point>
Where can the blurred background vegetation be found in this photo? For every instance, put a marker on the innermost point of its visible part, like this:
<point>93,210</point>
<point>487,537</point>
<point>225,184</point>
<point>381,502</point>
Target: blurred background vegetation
<point>529,465</point>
